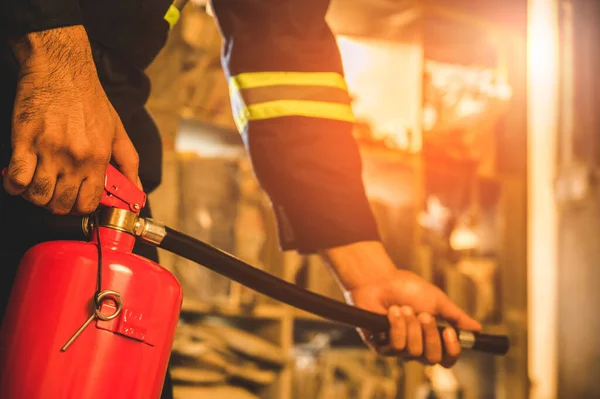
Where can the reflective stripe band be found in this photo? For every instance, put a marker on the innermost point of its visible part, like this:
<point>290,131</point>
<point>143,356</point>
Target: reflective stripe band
<point>250,80</point>
<point>282,108</point>
<point>266,95</point>
<point>172,15</point>
<point>306,93</point>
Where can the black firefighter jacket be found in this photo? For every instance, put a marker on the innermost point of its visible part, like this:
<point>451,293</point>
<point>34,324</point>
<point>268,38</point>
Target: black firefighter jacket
<point>288,96</point>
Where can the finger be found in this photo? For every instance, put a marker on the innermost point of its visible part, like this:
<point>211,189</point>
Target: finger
<point>41,189</point>
<point>89,196</point>
<point>431,338</point>
<point>451,346</point>
<point>124,155</point>
<point>398,333</point>
<point>20,171</point>
<point>65,194</point>
<point>455,315</point>
<point>414,335</point>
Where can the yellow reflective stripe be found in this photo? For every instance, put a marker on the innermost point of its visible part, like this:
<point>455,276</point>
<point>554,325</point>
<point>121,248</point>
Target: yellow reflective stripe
<point>251,80</point>
<point>282,108</point>
<point>267,95</point>
<point>172,15</point>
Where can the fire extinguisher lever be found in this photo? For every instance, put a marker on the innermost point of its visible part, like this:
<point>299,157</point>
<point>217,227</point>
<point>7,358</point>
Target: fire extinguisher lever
<point>120,192</point>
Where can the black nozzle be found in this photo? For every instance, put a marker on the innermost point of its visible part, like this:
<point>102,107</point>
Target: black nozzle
<point>494,344</point>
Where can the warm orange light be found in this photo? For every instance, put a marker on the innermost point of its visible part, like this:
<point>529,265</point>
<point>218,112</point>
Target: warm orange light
<point>385,81</point>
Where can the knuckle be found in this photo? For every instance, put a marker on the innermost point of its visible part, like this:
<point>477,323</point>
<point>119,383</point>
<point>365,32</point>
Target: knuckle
<point>17,176</point>
<point>51,144</point>
<point>100,156</point>
<point>40,187</point>
<point>98,191</point>
<point>66,197</point>
<point>18,181</point>
<point>39,191</point>
<point>19,165</point>
<point>80,153</point>
<point>90,204</point>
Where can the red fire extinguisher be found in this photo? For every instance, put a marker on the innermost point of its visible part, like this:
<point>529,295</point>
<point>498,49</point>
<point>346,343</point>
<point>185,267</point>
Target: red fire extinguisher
<point>90,320</point>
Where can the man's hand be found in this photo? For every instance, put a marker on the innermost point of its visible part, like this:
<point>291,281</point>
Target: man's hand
<point>373,283</point>
<point>64,128</point>
<point>411,304</point>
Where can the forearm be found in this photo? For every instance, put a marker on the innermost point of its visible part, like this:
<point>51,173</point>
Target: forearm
<point>293,110</point>
<point>348,262</point>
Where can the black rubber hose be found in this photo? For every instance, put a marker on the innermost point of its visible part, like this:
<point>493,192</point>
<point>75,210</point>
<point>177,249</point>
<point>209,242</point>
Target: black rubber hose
<point>283,291</point>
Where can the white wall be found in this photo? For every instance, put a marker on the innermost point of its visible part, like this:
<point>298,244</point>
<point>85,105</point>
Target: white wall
<point>543,82</point>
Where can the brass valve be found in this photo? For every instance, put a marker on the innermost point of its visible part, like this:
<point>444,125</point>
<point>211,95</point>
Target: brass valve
<point>150,231</point>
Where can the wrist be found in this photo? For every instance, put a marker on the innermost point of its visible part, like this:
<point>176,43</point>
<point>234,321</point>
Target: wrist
<point>65,45</point>
<point>359,264</point>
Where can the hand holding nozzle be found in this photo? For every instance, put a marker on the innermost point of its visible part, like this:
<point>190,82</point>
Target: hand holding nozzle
<point>469,340</point>
<point>283,291</point>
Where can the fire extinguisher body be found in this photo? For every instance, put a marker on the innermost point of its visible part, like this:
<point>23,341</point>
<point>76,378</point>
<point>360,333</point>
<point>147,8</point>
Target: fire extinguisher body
<point>53,296</point>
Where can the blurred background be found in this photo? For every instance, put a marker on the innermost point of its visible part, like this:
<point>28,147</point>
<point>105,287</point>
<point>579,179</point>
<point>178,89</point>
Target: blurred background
<point>478,129</point>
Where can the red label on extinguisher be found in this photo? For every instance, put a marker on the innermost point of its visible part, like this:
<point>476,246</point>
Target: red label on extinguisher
<point>129,323</point>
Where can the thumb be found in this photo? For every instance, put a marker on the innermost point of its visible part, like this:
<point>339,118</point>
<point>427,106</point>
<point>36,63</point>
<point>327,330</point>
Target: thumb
<point>455,315</point>
<point>125,156</point>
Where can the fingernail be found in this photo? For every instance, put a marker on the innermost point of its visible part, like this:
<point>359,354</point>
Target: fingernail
<point>450,334</point>
<point>425,318</point>
<point>395,311</point>
<point>407,311</point>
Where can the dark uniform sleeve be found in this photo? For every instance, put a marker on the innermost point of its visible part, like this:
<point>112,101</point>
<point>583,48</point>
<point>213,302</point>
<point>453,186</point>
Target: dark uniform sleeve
<point>19,17</point>
<point>291,105</point>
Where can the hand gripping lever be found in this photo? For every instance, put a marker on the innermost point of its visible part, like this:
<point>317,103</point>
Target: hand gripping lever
<point>121,193</point>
